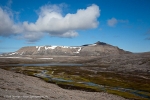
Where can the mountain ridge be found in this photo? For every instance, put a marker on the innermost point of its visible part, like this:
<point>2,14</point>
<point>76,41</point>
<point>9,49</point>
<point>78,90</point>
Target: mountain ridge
<point>95,49</point>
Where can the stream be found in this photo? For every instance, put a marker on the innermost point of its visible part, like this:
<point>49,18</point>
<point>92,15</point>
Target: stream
<point>101,87</point>
<point>47,64</point>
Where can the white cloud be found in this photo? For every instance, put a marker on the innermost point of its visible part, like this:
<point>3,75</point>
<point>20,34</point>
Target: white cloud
<point>32,36</point>
<point>113,21</point>
<point>67,34</point>
<point>51,20</point>
<point>7,25</point>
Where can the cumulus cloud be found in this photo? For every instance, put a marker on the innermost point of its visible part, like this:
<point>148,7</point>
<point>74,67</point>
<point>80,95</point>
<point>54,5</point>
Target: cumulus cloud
<point>7,25</point>
<point>52,21</point>
<point>113,21</point>
<point>32,36</point>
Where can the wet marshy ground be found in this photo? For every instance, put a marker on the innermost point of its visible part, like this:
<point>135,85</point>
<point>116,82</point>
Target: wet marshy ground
<point>93,80</point>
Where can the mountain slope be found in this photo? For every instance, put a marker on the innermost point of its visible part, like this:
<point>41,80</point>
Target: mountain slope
<point>96,49</point>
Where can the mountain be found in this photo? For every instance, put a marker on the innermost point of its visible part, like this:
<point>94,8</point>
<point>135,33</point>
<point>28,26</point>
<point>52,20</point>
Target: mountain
<point>96,49</point>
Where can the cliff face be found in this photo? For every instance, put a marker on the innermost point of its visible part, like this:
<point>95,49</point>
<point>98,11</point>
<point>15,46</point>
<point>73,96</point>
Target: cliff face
<point>96,49</point>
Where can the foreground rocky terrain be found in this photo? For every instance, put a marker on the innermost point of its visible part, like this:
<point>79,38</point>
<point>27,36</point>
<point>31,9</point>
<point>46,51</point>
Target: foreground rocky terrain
<point>15,86</point>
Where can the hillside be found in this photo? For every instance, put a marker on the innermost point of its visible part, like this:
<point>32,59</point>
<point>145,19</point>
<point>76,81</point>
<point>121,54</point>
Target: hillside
<point>96,49</point>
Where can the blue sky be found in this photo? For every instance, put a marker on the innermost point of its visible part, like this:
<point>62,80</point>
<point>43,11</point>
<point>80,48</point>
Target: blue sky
<point>122,23</point>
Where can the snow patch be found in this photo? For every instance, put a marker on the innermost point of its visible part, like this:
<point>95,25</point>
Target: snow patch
<point>44,58</point>
<point>17,57</point>
<point>46,47</point>
<point>51,47</point>
<point>22,53</point>
<point>78,50</point>
<point>63,46</point>
<point>54,47</point>
<point>92,44</point>
<point>39,47</point>
<point>25,58</point>
<point>74,47</point>
<point>13,53</point>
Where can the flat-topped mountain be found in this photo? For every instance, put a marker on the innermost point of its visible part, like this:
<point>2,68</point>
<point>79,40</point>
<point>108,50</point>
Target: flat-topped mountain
<point>96,49</point>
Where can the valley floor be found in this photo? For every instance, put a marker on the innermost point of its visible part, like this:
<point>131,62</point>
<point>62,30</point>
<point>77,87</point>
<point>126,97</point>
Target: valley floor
<point>15,86</point>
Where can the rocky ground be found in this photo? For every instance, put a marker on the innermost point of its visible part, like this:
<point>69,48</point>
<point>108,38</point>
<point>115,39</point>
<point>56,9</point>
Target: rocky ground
<point>18,86</point>
<point>138,63</point>
<point>15,86</point>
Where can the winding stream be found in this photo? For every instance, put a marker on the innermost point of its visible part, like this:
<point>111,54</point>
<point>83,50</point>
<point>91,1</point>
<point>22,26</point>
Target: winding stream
<point>101,87</point>
<point>43,74</point>
<point>47,64</point>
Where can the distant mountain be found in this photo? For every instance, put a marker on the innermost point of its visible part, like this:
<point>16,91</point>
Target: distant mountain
<point>96,49</point>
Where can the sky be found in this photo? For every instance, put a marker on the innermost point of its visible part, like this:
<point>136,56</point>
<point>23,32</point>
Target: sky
<point>122,23</point>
